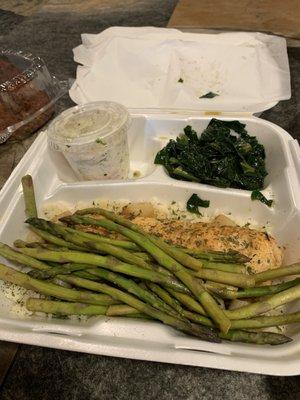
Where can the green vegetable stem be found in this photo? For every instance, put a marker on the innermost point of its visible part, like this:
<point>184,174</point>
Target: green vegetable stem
<point>257,195</point>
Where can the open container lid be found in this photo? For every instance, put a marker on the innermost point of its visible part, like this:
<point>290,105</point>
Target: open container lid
<point>167,69</point>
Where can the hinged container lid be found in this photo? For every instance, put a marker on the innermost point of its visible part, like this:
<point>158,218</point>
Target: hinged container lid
<point>167,69</point>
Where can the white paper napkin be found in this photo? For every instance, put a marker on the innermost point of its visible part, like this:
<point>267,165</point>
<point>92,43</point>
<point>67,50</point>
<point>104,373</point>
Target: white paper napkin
<point>143,67</point>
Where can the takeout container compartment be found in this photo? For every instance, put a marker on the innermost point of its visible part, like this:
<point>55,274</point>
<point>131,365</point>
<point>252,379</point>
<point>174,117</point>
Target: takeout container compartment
<point>158,129</point>
<point>28,93</point>
<point>149,340</point>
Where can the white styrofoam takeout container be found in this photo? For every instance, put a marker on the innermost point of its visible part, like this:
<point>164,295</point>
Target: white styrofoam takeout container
<point>148,340</point>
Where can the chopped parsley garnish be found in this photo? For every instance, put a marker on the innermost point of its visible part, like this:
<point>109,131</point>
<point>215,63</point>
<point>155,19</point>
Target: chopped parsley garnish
<point>194,202</point>
<point>100,141</point>
<point>209,95</point>
<point>224,155</point>
<point>257,195</point>
<point>137,174</point>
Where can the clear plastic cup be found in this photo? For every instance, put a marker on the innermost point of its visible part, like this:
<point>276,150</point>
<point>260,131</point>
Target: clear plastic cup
<point>93,139</point>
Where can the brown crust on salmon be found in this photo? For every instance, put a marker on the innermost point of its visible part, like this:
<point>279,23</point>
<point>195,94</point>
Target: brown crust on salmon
<point>259,246</point>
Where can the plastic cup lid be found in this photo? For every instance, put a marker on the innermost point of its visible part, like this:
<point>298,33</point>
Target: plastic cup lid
<point>85,123</point>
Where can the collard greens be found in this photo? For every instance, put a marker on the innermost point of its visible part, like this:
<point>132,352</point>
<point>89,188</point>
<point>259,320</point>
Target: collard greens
<point>194,202</point>
<point>225,155</point>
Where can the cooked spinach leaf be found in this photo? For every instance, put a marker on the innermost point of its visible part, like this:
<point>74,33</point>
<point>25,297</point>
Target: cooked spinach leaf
<point>224,155</point>
<point>257,195</point>
<point>194,202</point>
<point>209,95</point>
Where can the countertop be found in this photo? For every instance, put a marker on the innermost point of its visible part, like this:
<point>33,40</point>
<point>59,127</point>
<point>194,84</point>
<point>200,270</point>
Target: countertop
<point>41,373</point>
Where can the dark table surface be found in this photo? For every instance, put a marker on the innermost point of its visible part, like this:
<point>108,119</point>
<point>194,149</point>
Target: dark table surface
<point>40,373</point>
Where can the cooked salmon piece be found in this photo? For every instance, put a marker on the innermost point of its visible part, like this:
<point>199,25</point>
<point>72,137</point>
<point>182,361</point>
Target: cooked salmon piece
<point>261,248</point>
<point>220,234</point>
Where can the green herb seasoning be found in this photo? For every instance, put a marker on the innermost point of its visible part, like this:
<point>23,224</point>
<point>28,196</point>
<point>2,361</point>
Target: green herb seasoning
<point>194,202</point>
<point>137,174</point>
<point>257,195</point>
<point>209,95</point>
<point>180,80</point>
<point>225,155</point>
<point>100,141</point>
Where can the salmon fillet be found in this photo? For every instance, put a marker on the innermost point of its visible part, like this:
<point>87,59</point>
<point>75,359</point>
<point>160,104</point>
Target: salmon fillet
<point>260,247</point>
